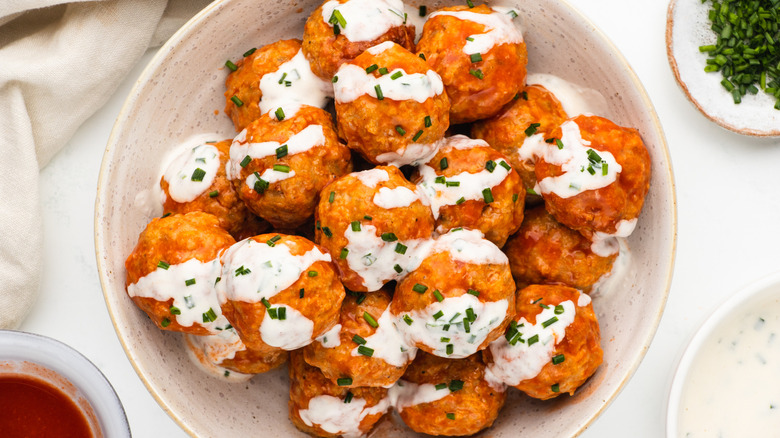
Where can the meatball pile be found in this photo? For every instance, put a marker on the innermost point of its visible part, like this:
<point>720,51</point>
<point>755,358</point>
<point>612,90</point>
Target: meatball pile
<point>392,263</point>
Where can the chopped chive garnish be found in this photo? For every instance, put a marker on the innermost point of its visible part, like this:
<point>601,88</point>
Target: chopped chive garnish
<point>475,57</point>
<point>450,349</point>
<point>261,185</point>
<point>265,302</point>
<point>379,94</point>
<point>383,71</point>
<point>444,340</point>
<point>408,320</point>
<point>490,166</point>
<point>229,64</point>
<point>242,271</point>
<point>477,73</point>
<point>460,201</point>
<point>174,310</point>
<point>355,225</point>
<point>272,241</point>
<point>544,306</point>
<point>281,313</point>
<point>419,288</point>
<point>418,135</point>
<point>558,309</point>
<point>438,314</point>
<point>533,339</point>
<point>555,388</point>
<point>451,415</point>
<point>470,3</point>
<point>471,315</point>
<point>439,297</point>
<point>249,52</point>
<point>237,101</point>
<point>371,68</point>
<point>213,193</point>
<point>455,316</point>
<point>348,397</point>
<point>273,313</point>
<point>279,114</point>
<point>440,386</point>
<point>427,121</point>
<point>337,18</point>
<point>423,10</point>
<point>165,322</point>
<point>558,359</point>
<point>400,248</point>
<point>334,79</point>
<point>559,143</point>
<point>358,340</point>
<point>281,80</point>
<point>514,197</point>
<point>504,164</point>
<point>396,75</point>
<point>209,316</point>
<point>397,268</point>
<point>440,180</point>
<point>331,197</point>
<point>312,273</point>
<point>344,253</point>
<point>550,322</point>
<point>456,385</point>
<point>217,280</point>
<point>166,215</point>
<point>163,265</point>
<point>245,162</point>
<point>466,325</point>
<point>360,298</point>
<point>536,301</point>
<point>422,55</point>
<point>469,39</point>
<point>389,237</point>
<point>452,183</point>
<point>370,320</point>
<point>365,351</point>
<point>367,217</point>
<point>281,151</point>
<point>189,282</point>
<point>443,164</point>
<point>604,168</point>
<point>301,293</point>
<point>524,94</point>
<point>344,381</point>
<point>399,129</point>
<point>488,195</point>
<point>531,129</point>
<point>326,231</point>
<point>473,292</point>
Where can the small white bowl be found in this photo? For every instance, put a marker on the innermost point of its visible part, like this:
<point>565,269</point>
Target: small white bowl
<point>745,304</point>
<point>63,367</point>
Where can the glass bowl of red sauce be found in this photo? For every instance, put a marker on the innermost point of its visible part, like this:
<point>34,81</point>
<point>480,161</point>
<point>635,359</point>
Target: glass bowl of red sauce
<point>48,389</point>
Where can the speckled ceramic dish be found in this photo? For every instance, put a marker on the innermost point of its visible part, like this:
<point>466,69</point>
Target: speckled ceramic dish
<point>181,93</point>
<point>687,28</point>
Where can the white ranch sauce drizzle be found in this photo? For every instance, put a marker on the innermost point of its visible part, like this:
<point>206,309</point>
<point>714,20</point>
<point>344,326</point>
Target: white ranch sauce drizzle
<point>353,82</point>
<point>574,99</point>
<point>499,29</point>
<point>610,282</point>
<point>309,137</point>
<point>370,178</point>
<point>448,329</point>
<point>470,246</point>
<point>252,270</point>
<point>304,86</point>
<point>374,259</point>
<point>291,333</point>
<point>366,20</point>
<point>397,197</point>
<point>732,389</point>
<point>270,176</point>
<point>194,300</point>
<point>413,153</point>
<point>405,394</point>
<point>574,162</point>
<point>514,363</point>
<point>605,244</point>
<point>208,352</point>
<point>179,174</point>
<point>335,416</point>
<point>388,343</point>
<point>331,338</point>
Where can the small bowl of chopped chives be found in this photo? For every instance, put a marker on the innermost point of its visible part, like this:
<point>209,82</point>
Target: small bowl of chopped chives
<point>725,55</point>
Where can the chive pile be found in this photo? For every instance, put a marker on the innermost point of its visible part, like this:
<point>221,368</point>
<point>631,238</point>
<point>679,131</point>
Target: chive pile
<point>746,52</point>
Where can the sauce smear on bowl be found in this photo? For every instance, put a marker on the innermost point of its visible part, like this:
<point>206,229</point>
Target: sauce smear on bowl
<point>33,408</point>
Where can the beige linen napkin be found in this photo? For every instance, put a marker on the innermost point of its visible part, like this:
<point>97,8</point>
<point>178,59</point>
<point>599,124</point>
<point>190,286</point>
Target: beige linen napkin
<point>60,61</point>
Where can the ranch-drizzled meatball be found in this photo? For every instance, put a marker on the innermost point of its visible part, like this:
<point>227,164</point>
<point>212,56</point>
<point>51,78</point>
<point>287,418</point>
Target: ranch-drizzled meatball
<point>172,270</point>
<point>195,181</point>
<point>471,185</point>
<point>269,77</point>
<point>594,176</point>
<point>552,346</point>
<point>223,354</point>
<point>535,111</point>
<point>282,160</point>
<point>459,299</point>
<point>391,107</point>
<point>447,397</point>
<point>479,54</point>
<point>340,30</point>
<point>321,407</point>
<point>375,224</point>
<point>365,346</point>
<point>545,251</point>
<point>279,291</point>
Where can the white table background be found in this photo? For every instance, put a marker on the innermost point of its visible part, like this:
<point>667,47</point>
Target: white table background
<point>728,190</point>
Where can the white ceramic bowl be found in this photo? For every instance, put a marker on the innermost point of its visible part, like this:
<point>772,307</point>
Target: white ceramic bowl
<point>181,93</point>
<point>758,297</point>
<point>37,356</point>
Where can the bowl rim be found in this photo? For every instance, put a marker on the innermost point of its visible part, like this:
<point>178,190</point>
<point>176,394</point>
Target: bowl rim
<point>76,369</point>
<point>743,297</point>
<point>670,198</point>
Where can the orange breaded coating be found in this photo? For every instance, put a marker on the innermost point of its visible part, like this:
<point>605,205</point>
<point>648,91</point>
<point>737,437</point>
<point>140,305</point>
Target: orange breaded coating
<point>225,350</point>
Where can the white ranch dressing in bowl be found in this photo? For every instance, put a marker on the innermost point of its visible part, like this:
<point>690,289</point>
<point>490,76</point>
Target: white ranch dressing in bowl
<point>727,382</point>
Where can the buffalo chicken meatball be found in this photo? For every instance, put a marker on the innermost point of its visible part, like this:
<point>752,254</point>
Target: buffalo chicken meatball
<point>366,346</point>
<point>459,299</point>
<point>195,181</point>
<point>340,30</point>
<point>269,77</point>
<point>479,54</point>
<point>472,185</point>
<point>391,108</point>
<point>224,354</point>
<point>552,346</point>
<point>282,160</point>
<point>321,407</point>
<point>447,397</point>
<point>172,270</point>
<point>545,251</point>
<point>279,292</point>
<point>594,176</point>
<point>535,111</point>
<point>374,223</point>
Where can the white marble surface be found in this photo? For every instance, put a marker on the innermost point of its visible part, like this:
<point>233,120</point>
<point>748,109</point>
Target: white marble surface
<point>729,212</point>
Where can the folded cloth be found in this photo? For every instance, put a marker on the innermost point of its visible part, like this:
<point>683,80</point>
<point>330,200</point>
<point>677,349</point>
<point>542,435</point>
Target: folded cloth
<point>60,61</point>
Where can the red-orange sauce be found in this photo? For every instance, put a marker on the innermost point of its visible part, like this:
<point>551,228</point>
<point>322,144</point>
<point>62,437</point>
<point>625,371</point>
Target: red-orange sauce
<point>32,408</point>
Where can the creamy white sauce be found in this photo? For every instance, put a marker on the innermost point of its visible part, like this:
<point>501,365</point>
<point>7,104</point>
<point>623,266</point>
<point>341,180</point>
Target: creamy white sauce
<point>252,271</point>
<point>192,172</point>
<point>514,363</point>
<point>413,18</point>
<point>208,352</point>
<point>405,394</point>
<point>499,29</point>
<point>442,324</point>
<point>150,201</point>
<point>335,416</point>
<point>375,260</point>
<point>606,244</point>
<point>365,20</point>
<point>610,282</point>
<point>370,178</point>
<point>470,246</point>
<point>575,162</point>
<point>331,338</point>
<point>309,137</point>
<point>191,285</point>
<point>388,343</point>
<point>293,82</point>
<point>732,388</point>
<point>413,153</point>
<point>574,99</point>
<point>353,82</point>
<point>270,176</point>
<point>291,333</point>
<point>396,198</point>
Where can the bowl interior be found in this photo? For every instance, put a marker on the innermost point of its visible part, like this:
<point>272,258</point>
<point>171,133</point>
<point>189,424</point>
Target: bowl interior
<point>181,94</point>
